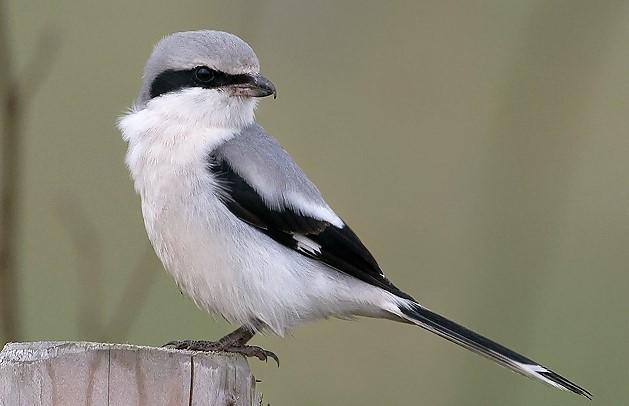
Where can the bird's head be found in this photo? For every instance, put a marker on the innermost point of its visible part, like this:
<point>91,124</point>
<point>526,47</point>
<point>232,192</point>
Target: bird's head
<point>205,76</point>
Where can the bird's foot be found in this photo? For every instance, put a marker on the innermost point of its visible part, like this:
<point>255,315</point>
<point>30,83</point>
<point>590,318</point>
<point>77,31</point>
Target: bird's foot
<point>253,351</point>
<point>194,345</point>
<point>218,346</point>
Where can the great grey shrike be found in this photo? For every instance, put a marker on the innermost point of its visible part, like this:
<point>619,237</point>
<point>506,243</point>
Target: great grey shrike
<point>239,226</point>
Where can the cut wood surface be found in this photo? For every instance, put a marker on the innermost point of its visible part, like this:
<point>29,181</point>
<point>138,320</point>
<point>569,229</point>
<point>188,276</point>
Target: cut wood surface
<point>95,374</point>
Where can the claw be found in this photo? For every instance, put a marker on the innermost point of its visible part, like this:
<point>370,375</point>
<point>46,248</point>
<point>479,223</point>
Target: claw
<point>205,346</point>
<point>171,343</point>
<point>191,345</point>
<point>254,351</point>
<point>275,358</point>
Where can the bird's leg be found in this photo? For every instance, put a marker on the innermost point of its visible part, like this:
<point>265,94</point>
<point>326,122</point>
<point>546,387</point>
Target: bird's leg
<point>232,342</point>
<point>240,336</point>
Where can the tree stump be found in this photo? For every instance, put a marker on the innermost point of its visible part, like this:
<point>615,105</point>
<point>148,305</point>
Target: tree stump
<point>95,374</point>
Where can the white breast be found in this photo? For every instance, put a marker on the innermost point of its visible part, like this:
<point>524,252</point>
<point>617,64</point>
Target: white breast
<point>224,265</point>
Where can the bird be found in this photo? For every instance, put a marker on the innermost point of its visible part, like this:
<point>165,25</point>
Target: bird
<point>239,226</point>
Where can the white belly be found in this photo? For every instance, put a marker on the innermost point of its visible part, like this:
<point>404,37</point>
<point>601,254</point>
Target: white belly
<point>229,268</point>
<point>225,265</point>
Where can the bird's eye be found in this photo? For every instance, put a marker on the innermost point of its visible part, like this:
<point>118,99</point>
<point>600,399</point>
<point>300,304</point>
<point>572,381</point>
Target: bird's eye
<point>203,74</point>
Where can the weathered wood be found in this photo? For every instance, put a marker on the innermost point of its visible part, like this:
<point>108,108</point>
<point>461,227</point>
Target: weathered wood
<point>80,373</point>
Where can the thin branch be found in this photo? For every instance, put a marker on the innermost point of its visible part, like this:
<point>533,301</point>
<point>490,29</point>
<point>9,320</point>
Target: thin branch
<point>87,245</point>
<point>15,95</point>
<point>32,76</point>
<point>89,268</point>
<point>8,192</point>
<point>133,298</point>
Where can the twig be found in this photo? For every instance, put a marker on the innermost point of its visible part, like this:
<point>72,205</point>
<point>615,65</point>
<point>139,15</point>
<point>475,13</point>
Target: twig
<point>89,272</point>
<point>89,268</point>
<point>16,93</point>
<point>134,296</point>
<point>8,193</point>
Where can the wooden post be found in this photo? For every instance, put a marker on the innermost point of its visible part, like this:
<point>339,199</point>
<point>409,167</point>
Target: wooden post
<point>81,373</point>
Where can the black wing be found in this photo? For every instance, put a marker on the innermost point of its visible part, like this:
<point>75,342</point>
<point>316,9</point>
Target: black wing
<point>337,247</point>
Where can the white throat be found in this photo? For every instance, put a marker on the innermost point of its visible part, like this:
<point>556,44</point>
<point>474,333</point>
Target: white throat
<point>203,107</point>
<point>179,129</point>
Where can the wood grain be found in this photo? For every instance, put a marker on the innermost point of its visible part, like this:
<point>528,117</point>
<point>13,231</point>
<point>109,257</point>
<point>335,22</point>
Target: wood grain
<point>95,374</point>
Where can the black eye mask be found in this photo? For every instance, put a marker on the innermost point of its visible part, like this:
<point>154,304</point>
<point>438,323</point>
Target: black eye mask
<point>171,81</point>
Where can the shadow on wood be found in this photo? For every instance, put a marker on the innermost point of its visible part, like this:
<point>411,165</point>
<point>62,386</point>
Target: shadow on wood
<point>81,373</point>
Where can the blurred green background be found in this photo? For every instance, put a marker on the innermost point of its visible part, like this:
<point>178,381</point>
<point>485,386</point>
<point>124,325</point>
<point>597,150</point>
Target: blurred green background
<point>479,148</point>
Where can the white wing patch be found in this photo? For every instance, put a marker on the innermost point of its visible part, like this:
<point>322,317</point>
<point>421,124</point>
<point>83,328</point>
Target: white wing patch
<point>305,244</point>
<point>321,212</point>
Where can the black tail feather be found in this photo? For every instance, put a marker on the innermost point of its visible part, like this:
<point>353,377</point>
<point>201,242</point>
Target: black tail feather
<point>466,338</point>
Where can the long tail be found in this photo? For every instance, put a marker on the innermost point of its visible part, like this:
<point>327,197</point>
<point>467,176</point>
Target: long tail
<point>460,335</point>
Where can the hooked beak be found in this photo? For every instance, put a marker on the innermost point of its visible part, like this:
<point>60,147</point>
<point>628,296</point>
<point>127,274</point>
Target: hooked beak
<point>255,86</point>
